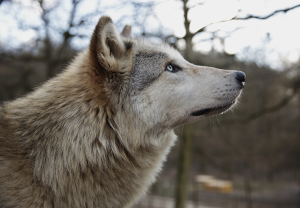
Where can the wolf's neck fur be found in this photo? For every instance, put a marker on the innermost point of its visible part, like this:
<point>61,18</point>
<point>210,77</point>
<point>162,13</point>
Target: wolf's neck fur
<point>74,145</point>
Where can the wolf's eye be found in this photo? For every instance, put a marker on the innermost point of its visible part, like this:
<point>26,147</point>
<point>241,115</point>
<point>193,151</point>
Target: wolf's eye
<point>173,68</point>
<point>170,68</point>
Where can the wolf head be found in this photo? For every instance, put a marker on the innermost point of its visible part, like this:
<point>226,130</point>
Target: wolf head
<point>152,85</point>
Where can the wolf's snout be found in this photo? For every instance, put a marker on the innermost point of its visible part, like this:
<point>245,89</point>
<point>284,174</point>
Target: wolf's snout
<point>240,76</point>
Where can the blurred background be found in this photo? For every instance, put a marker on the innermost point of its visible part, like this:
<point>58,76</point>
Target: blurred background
<point>246,158</point>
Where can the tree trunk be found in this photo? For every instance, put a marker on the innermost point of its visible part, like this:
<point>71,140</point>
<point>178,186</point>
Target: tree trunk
<point>188,48</point>
<point>184,167</point>
<point>188,35</point>
<point>248,192</point>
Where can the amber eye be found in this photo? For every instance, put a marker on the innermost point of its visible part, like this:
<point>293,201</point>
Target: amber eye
<point>170,68</point>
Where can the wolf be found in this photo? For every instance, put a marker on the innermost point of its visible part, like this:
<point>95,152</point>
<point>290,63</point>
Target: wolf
<point>97,134</point>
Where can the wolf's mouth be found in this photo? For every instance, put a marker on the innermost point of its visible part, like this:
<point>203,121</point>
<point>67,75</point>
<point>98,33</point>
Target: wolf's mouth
<point>212,111</point>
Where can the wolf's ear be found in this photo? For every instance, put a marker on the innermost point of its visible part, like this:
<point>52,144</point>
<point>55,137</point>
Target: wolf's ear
<point>126,31</point>
<point>106,45</point>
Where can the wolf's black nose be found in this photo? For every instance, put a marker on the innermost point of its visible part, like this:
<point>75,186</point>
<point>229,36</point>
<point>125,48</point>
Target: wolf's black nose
<point>240,76</point>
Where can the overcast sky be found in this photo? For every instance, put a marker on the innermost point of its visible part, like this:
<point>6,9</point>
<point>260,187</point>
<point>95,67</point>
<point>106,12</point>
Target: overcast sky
<point>281,45</point>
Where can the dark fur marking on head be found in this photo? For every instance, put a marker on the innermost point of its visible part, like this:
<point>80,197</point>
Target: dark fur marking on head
<point>147,68</point>
<point>128,45</point>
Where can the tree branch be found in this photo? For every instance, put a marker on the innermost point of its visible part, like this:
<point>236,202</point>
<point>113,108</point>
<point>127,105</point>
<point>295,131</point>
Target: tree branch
<point>266,17</point>
<point>248,17</point>
<point>267,110</point>
<point>198,4</point>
